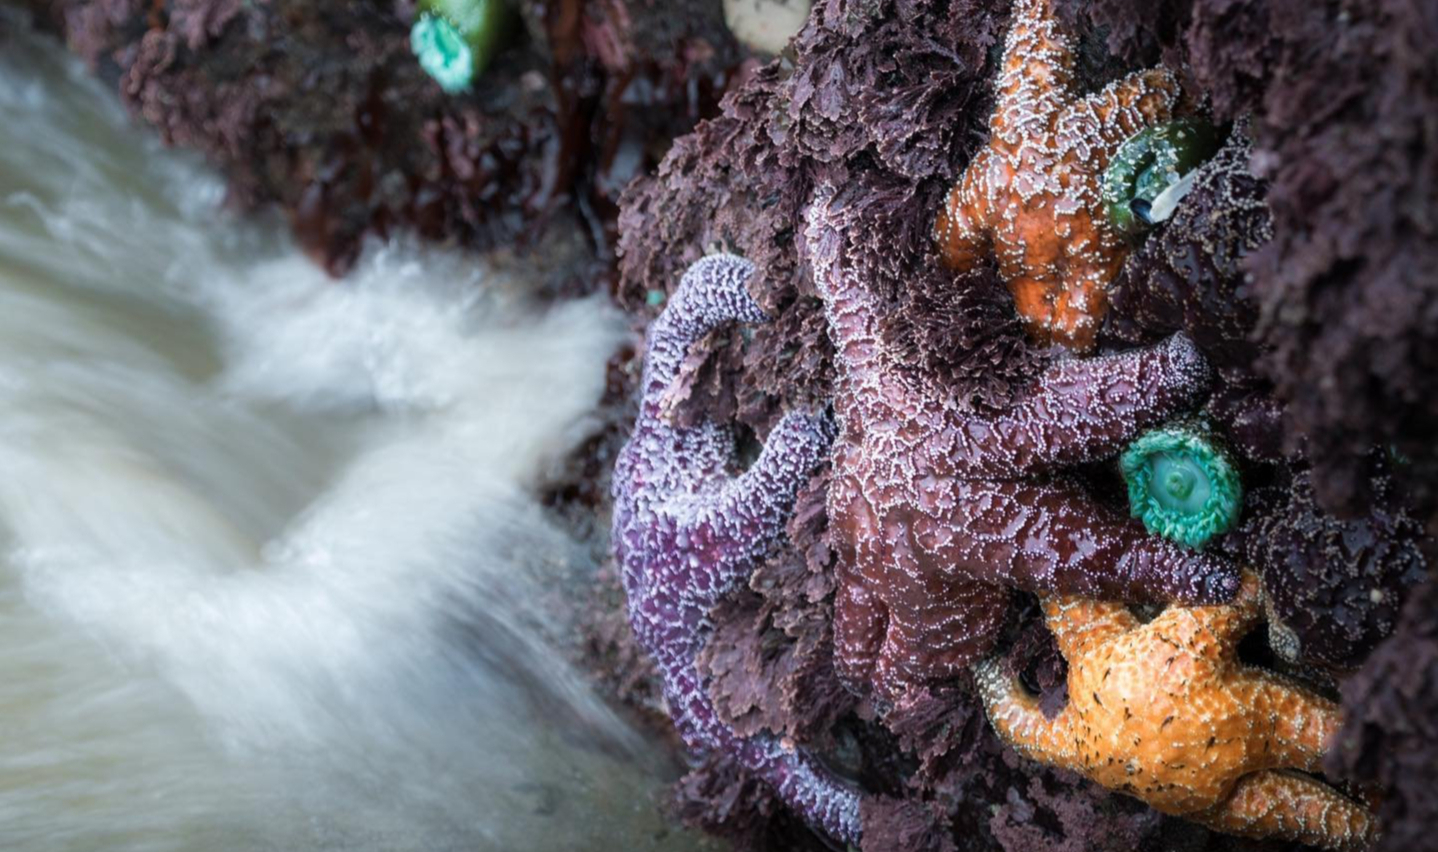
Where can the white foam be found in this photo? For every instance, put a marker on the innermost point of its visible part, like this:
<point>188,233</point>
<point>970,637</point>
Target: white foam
<point>273,569</point>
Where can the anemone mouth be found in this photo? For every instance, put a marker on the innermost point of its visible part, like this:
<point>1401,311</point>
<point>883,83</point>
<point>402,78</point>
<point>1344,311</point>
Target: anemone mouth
<point>1148,166</point>
<point>1181,485</point>
<point>442,52</point>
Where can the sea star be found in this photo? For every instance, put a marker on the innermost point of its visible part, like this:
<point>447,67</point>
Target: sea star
<point>1033,193</point>
<point>686,534</point>
<point>1164,711</point>
<point>936,509</point>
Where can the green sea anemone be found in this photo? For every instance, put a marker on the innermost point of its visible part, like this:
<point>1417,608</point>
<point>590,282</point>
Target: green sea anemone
<point>1181,484</point>
<point>1146,177</point>
<point>455,39</point>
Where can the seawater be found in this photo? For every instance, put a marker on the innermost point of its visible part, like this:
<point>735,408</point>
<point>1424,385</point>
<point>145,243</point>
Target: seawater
<point>273,573</point>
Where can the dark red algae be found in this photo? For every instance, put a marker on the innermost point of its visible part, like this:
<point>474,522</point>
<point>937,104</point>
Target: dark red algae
<point>1294,264</point>
<point>1341,96</point>
<point>321,109</point>
<point>1301,264</point>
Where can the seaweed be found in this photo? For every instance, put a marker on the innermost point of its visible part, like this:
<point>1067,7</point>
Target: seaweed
<point>322,110</point>
<point>1389,740</point>
<point>1335,586</point>
<point>1341,96</point>
<point>891,96</point>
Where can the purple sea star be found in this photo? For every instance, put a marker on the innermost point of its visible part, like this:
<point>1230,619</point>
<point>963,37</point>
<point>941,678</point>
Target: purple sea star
<point>937,508</point>
<point>687,533</point>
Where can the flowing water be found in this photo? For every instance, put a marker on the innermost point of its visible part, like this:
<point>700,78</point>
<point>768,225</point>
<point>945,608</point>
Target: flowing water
<point>272,571</point>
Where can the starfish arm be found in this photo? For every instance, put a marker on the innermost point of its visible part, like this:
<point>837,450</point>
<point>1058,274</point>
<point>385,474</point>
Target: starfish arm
<point>867,368</point>
<point>1037,72</point>
<point>1216,630</point>
<point>711,293</point>
<point>749,512</point>
<point>961,229</point>
<point>1081,303</point>
<point>804,785</point>
<point>1016,717</point>
<point>1081,625</point>
<point>1124,107</point>
<point>801,782</point>
<point>1036,299</point>
<point>1056,540</point>
<point>1303,723</point>
<point>892,670</point>
<point>1273,803</point>
<point>659,456</point>
<point>860,622</point>
<point>1086,409</point>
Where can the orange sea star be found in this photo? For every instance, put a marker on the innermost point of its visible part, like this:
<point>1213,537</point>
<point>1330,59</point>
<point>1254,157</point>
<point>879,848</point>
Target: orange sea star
<point>1166,712</point>
<point>1032,195</point>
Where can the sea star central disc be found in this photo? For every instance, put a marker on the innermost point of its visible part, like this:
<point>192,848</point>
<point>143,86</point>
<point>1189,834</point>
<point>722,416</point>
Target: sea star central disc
<point>1033,194</point>
<point>937,509</point>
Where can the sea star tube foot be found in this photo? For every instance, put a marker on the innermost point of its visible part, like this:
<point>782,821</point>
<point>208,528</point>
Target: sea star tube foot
<point>687,533</point>
<point>1166,712</point>
<point>937,508</point>
<point>1033,195</point>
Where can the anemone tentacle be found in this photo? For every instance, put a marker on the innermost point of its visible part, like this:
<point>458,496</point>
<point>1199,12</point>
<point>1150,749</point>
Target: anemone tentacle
<point>1142,182</point>
<point>454,40</point>
<point>1181,484</point>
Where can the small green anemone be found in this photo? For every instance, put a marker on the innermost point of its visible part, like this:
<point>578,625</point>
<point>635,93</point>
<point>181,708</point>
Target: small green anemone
<point>1181,484</point>
<point>1149,163</point>
<point>455,39</point>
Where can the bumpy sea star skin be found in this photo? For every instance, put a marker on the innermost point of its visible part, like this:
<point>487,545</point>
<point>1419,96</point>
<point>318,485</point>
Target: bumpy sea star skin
<point>1034,193</point>
<point>1164,711</point>
<point>936,510</point>
<point>686,534</point>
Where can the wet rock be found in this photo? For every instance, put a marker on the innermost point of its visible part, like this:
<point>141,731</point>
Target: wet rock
<point>893,97</point>
<point>322,110</point>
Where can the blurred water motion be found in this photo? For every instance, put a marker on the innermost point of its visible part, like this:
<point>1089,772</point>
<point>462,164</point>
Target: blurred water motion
<point>271,568</point>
